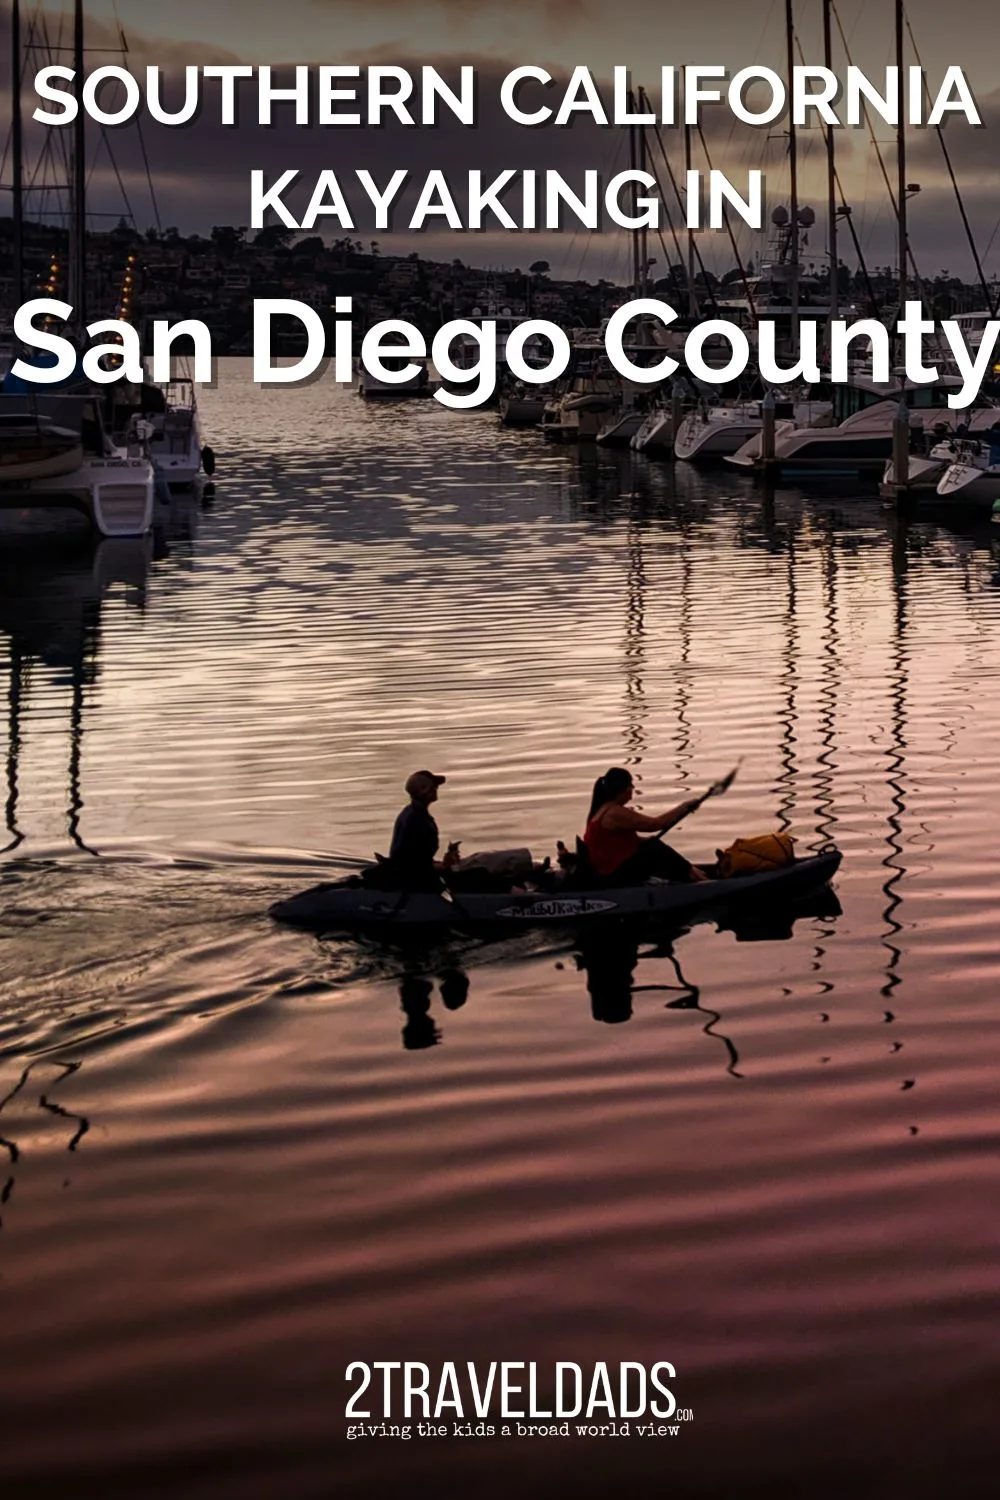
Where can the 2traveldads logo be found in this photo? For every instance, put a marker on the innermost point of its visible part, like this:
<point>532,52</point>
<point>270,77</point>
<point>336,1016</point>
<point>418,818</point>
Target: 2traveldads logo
<point>509,1398</point>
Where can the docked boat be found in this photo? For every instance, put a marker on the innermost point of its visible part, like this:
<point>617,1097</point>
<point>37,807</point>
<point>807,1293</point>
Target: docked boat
<point>373,388</point>
<point>520,406</point>
<point>350,905</point>
<point>170,435</point>
<point>858,437</point>
<point>620,427</point>
<point>656,435</point>
<point>714,432</point>
<point>924,471</point>
<point>973,478</point>
<point>76,467</point>
<point>591,395</point>
<point>33,447</point>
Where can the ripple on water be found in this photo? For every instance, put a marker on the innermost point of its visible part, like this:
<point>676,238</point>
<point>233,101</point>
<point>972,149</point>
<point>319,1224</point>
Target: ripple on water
<point>235,1159</point>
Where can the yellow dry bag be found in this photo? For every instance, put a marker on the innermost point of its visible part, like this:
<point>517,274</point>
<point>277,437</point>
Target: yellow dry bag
<point>768,851</point>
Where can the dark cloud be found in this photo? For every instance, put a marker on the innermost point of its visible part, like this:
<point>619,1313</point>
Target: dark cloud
<point>562,11</point>
<point>201,173</point>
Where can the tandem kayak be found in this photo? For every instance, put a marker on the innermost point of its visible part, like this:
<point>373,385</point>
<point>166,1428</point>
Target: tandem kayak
<point>346,906</point>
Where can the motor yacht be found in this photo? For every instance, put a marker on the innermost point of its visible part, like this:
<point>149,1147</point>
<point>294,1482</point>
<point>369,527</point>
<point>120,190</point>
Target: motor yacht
<point>714,432</point>
<point>857,438</point>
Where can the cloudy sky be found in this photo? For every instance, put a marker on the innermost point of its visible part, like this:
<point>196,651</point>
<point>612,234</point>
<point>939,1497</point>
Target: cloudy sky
<point>201,173</point>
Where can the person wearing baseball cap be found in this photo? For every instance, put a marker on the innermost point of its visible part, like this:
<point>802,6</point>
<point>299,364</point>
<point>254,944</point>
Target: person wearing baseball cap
<point>415,838</point>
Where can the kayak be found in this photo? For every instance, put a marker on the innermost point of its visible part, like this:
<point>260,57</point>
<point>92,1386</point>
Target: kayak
<point>347,905</point>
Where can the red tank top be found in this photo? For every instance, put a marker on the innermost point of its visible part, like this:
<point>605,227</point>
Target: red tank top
<point>609,848</point>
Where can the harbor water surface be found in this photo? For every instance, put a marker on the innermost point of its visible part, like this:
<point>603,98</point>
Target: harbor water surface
<point>237,1158</point>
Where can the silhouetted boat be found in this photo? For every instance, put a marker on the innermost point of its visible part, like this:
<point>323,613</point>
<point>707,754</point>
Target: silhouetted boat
<point>350,905</point>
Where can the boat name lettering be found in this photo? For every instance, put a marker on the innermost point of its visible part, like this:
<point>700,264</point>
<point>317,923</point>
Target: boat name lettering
<point>565,906</point>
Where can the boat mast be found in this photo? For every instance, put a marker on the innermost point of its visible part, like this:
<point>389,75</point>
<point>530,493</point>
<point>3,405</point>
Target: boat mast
<point>633,163</point>
<point>901,160</point>
<point>692,294</point>
<point>831,174</point>
<point>17,151</point>
<point>643,232</point>
<point>78,185</point>
<point>793,169</point>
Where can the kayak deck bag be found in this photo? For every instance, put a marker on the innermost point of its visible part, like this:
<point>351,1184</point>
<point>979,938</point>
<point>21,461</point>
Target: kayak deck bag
<point>753,856</point>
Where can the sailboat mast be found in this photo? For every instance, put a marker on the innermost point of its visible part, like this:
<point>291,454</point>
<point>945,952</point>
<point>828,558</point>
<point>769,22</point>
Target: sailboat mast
<point>793,170</point>
<point>688,156</point>
<point>643,232</point>
<point>78,193</point>
<point>633,162</point>
<point>901,160</point>
<point>17,151</point>
<point>831,174</point>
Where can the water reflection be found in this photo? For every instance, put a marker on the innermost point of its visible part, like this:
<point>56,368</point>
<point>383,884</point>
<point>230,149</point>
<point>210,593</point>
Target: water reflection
<point>609,961</point>
<point>15,1155</point>
<point>416,992</point>
<point>52,597</point>
<point>276,1166</point>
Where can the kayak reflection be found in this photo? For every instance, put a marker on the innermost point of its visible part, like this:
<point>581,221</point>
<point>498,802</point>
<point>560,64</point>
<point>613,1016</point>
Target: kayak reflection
<point>416,992</point>
<point>609,962</point>
<point>610,970</point>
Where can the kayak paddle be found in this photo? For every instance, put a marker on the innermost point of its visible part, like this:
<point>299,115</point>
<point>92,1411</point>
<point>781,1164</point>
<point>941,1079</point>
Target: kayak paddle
<point>715,790</point>
<point>718,787</point>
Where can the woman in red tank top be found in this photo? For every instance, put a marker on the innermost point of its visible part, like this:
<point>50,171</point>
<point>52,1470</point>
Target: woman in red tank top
<point>614,847</point>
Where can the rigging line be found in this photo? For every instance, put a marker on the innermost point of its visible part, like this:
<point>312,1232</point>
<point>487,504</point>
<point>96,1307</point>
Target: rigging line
<point>25,48</point>
<point>138,127</point>
<point>666,210</point>
<point>118,176</point>
<point>680,202</point>
<point>852,230</point>
<point>55,140</point>
<point>611,161</point>
<point>881,161</point>
<point>954,182</point>
<point>732,238</point>
<point>992,238</point>
<point>756,57</point>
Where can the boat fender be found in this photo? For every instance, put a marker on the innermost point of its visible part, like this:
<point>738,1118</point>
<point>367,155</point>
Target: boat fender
<point>208,460</point>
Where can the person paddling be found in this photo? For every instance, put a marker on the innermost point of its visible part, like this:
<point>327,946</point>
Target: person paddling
<point>415,838</point>
<point>612,837</point>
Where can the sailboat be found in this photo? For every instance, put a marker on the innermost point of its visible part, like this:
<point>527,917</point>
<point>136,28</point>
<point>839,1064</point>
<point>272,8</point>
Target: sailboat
<point>56,455</point>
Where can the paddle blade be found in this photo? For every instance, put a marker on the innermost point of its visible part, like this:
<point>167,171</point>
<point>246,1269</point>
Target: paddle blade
<point>718,787</point>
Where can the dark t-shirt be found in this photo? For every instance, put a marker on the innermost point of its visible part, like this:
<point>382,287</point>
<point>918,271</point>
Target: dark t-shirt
<point>415,841</point>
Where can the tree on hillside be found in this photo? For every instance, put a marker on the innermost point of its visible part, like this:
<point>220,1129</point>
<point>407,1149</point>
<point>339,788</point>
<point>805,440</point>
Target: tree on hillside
<point>228,238</point>
<point>273,237</point>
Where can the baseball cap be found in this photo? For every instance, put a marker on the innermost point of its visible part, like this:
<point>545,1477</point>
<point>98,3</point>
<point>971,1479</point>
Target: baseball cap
<point>422,782</point>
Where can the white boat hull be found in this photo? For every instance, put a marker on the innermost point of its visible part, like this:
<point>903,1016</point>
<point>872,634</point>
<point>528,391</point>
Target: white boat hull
<point>723,432</point>
<point>656,435</point>
<point>115,494</point>
<point>618,431</point>
<point>970,484</point>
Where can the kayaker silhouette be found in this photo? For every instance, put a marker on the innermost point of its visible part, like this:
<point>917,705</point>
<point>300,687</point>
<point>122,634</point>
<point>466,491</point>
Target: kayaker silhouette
<point>415,837</point>
<point>612,838</point>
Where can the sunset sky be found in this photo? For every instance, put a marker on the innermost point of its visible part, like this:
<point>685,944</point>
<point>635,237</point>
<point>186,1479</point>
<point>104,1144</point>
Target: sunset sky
<point>202,174</point>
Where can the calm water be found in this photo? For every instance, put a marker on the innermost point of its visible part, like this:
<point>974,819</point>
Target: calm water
<point>234,1159</point>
